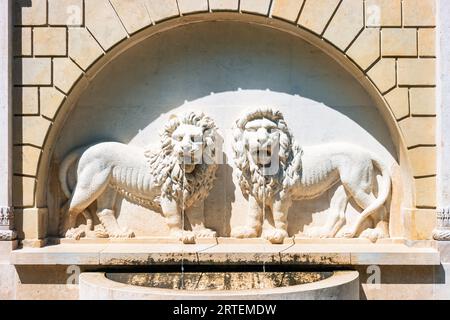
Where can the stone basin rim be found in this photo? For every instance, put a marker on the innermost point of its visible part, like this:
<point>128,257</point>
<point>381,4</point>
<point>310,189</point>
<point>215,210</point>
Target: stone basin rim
<point>99,279</point>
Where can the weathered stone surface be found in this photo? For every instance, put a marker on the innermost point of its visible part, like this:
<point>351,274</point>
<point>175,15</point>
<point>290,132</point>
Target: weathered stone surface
<point>419,131</point>
<point>420,223</point>
<point>30,130</point>
<point>346,23</point>
<point>395,254</point>
<point>419,13</point>
<point>162,9</point>
<point>103,22</point>
<point>24,191</point>
<point>426,192</point>
<point>316,14</point>
<point>59,255</point>
<point>256,6</point>
<point>65,74</point>
<point>383,74</point>
<point>26,101</point>
<point>33,71</point>
<point>398,100</point>
<point>51,100</point>
<point>22,42</point>
<point>423,161</point>
<point>366,48</point>
<point>189,6</point>
<point>65,12</point>
<point>150,254</point>
<point>33,222</point>
<point>399,42</point>
<point>83,48</point>
<point>423,101</point>
<point>7,281</point>
<point>383,13</point>
<point>32,291</point>
<point>30,12</point>
<point>416,71</point>
<point>50,41</point>
<point>133,14</point>
<point>217,5</point>
<point>26,159</point>
<point>287,9</point>
<point>427,42</point>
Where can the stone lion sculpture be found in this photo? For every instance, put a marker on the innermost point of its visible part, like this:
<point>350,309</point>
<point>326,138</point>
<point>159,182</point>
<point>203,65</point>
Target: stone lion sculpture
<point>175,177</point>
<point>273,170</point>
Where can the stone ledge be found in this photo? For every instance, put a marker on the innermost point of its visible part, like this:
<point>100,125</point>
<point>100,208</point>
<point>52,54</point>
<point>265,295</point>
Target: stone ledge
<point>307,253</point>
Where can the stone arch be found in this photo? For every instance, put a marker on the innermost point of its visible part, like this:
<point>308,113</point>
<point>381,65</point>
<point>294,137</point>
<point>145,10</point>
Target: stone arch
<point>342,29</point>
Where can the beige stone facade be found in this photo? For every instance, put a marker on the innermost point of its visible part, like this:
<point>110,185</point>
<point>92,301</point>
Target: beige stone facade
<point>395,56</point>
<point>389,46</point>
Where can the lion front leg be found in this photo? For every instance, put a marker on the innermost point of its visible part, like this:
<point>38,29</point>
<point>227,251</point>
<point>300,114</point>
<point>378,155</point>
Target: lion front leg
<point>173,215</point>
<point>278,233</point>
<point>196,215</point>
<point>253,227</point>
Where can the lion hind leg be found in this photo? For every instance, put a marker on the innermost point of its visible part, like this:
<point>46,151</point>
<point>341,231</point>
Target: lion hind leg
<point>364,199</point>
<point>106,215</point>
<point>380,231</point>
<point>80,201</point>
<point>336,219</point>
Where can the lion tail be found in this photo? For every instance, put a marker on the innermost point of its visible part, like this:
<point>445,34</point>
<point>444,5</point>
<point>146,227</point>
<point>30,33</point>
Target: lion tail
<point>66,164</point>
<point>383,194</point>
<point>64,168</point>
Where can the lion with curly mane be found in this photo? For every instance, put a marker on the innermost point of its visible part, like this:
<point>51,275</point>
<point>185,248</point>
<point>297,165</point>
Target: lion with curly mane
<point>174,178</point>
<point>273,171</point>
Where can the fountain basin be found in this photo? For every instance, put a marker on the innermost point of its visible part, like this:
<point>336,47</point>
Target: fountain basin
<point>338,285</point>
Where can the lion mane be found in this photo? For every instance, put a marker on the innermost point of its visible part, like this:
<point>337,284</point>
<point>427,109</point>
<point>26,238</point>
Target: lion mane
<point>185,188</point>
<point>251,178</point>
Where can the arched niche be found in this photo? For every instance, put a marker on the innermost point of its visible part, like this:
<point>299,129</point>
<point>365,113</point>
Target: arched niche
<point>221,67</point>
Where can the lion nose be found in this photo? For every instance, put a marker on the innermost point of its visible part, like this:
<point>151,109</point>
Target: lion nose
<point>186,147</point>
<point>261,135</point>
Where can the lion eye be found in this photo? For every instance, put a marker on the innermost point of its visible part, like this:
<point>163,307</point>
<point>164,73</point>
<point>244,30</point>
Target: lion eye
<point>178,138</point>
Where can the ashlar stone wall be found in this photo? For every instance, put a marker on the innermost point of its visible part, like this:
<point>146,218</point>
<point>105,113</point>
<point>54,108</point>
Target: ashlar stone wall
<point>59,45</point>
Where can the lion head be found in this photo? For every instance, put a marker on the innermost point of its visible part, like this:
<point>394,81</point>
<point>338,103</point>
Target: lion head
<point>264,151</point>
<point>185,164</point>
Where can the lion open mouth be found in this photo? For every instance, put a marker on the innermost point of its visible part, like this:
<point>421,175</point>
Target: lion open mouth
<point>263,152</point>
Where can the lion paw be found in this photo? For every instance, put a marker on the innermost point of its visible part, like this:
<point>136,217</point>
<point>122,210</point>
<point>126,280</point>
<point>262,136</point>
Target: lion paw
<point>347,232</point>
<point>125,234</point>
<point>76,233</point>
<point>373,234</point>
<point>317,232</point>
<point>187,237</point>
<point>243,232</point>
<point>205,233</point>
<point>275,236</point>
